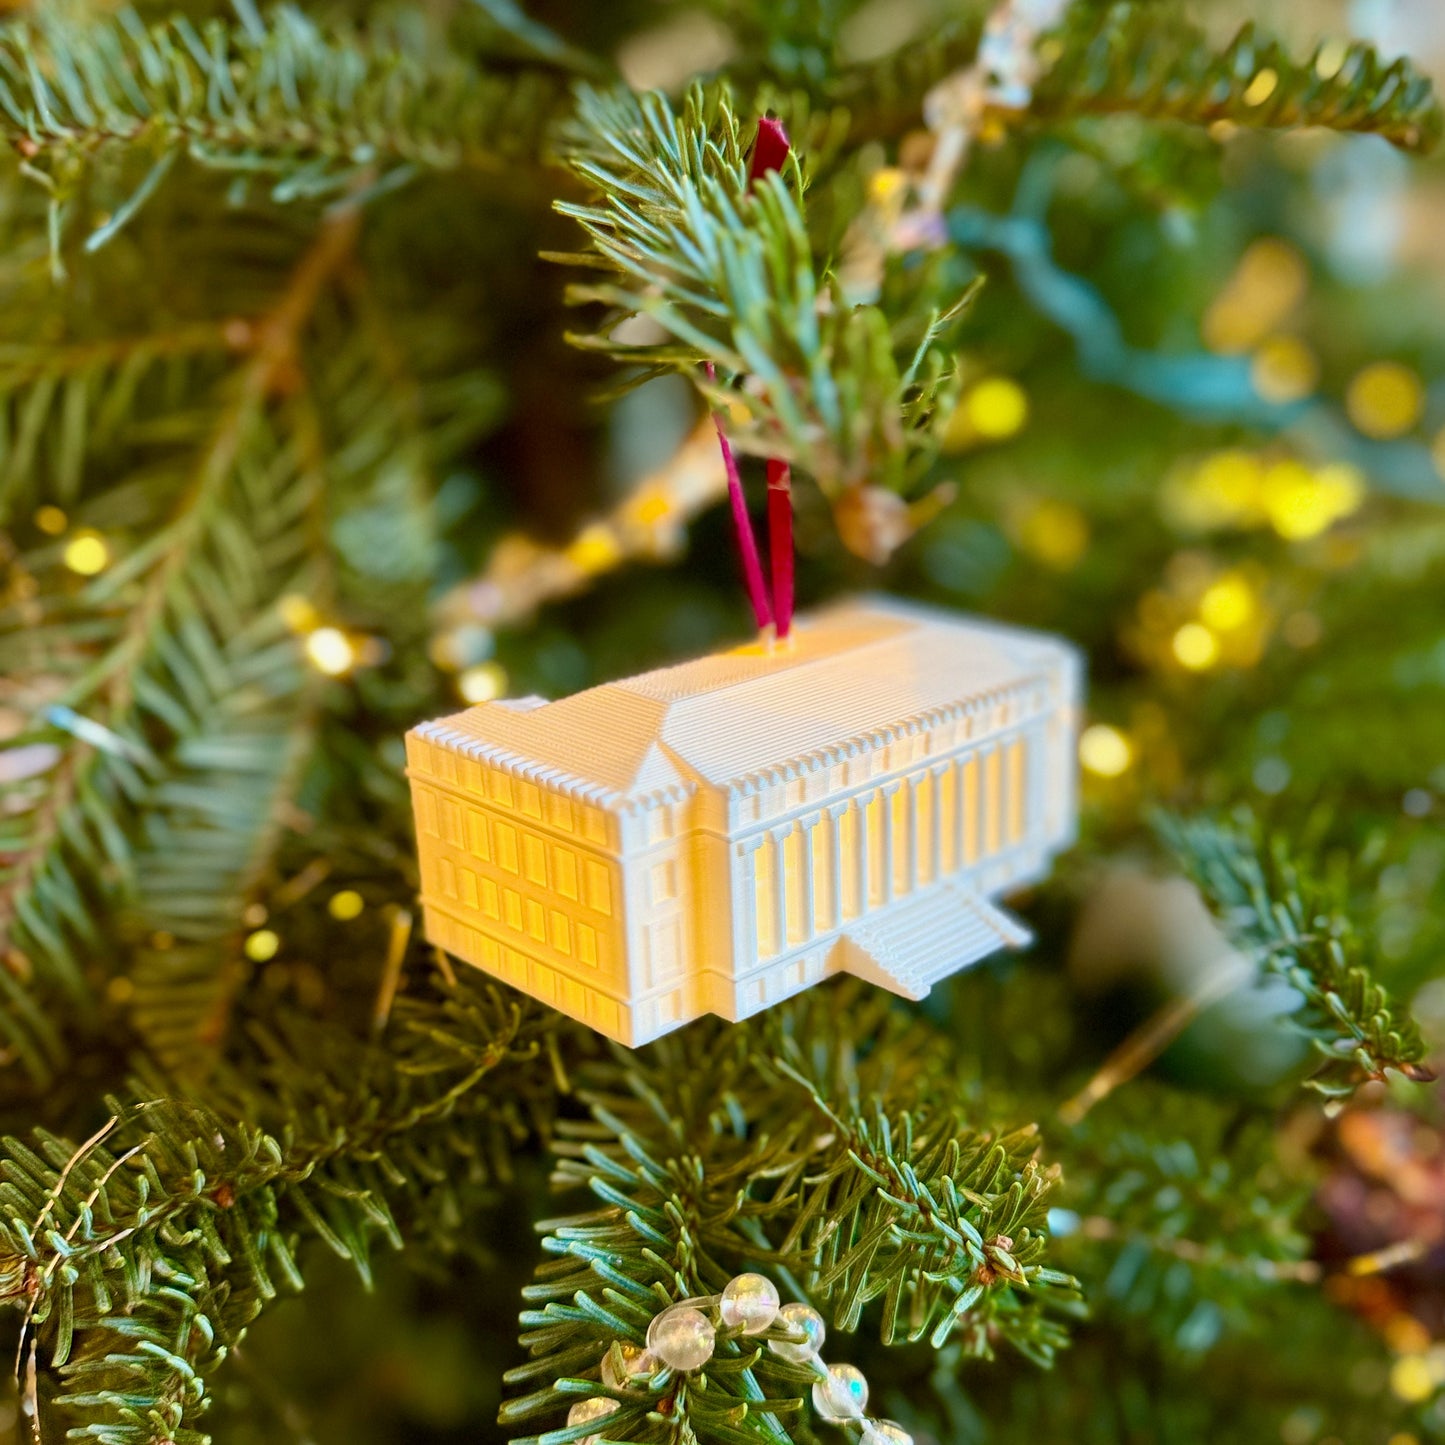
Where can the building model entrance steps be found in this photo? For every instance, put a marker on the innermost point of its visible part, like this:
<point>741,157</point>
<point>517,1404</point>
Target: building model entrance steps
<point>924,939</point>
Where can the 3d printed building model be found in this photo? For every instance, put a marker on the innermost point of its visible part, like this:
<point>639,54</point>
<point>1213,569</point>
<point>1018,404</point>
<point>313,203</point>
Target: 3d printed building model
<point>717,836</point>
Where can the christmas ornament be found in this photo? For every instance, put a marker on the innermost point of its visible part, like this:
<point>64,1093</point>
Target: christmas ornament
<point>684,1336</point>
<point>717,836</point>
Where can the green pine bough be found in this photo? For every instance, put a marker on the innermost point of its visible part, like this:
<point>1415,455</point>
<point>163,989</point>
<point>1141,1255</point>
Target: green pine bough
<point>283,293</point>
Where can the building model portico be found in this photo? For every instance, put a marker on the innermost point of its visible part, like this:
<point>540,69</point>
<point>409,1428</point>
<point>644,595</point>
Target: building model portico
<point>716,836</point>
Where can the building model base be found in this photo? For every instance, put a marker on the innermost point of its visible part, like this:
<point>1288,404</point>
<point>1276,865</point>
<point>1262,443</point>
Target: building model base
<point>717,836</point>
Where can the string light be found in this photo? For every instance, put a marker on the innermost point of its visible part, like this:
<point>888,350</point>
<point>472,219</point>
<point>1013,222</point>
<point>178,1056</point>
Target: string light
<point>330,651</point>
<point>992,410</point>
<point>346,905</point>
<point>1228,603</point>
<point>484,683</point>
<point>1267,284</point>
<point>1385,399</point>
<point>649,507</point>
<point>1238,489</point>
<point>1284,369</point>
<point>1412,1379</point>
<point>523,573</point>
<point>1054,532</point>
<point>1301,504</point>
<point>298,613</point>
<point>262,945</point>
<point>87,553</point>
<point>1105,751</point>
<point>1195,647</point>
<point>594,549</point>
<point>1406,1335</point>
<point>51,520</point>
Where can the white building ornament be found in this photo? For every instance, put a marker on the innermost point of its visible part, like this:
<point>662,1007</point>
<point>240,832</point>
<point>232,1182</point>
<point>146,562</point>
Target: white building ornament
<point>717,836</point>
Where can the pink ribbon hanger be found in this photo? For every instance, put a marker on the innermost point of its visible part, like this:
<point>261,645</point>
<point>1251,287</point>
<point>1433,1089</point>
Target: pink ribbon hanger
<point>770,151</point>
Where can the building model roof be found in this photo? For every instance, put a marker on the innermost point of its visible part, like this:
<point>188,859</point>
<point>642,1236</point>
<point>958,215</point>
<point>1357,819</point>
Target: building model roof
<point>855,673</point>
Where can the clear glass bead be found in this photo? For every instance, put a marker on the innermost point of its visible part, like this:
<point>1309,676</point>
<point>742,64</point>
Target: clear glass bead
<point>885,1432</point>
<point>842,1394</point>
<point>635,1362</point>
<point>682,1337</point>
<point>804,1320</point>
<point>750,1300</point>
<point>587,1412</point>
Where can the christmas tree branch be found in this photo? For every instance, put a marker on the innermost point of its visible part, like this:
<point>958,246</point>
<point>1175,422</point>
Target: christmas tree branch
<point>1139,59</point>
<point>1194,1231</point>
<point>724,269</point>
<point>781,1158</point>
<point>1294,924</point>
<point>199,609</point>
<point>308,1136</point>
<point>315,111</point>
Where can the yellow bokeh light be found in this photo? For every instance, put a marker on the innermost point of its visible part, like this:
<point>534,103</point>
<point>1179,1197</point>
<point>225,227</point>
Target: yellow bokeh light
<point>1284,370</point>
<point>1406,1335</point>
<point>1266,286</point>
<point>87,554</point>
<point>996,408</point>
<point>331,651</point>
<point>1342,486</point>
<point>1411,1379</point>
<point>886,185</point>
<point>482,683</point>
<point>1222,491</point>
<point>594,549</point>
<point>1301,503</point>
<point>51,520</point>
<point>1056,533</point>
<point>262,945</point>
<point>1196,647</point>
<point>346,905</point>
<point>1105,751</point>
<point>1385,399</point>
<point>1261,87</point>
<point>1228,603</point>
<point>650,506</point>
<point>298,613</point>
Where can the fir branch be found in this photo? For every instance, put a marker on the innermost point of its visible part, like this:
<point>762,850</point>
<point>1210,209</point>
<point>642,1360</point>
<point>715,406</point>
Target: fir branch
<point>884,97</point>
<point>181,687</point>
<point>63,403</point>
<point>782,1158</point>
<point>1128,58</point>
<point>317,111</point>
<point>727,273</point>
<point>141,1258</point>
<point>1292,921</point>
<point>1159,1179</point>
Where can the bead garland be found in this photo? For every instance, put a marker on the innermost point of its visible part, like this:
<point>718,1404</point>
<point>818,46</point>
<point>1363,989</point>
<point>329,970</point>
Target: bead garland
<point>683,1336</point>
